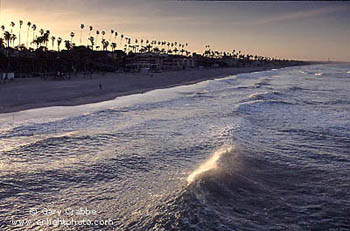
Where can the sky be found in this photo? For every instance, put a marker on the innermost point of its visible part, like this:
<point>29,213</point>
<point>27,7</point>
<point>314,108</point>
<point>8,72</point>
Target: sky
<point>294,30</point>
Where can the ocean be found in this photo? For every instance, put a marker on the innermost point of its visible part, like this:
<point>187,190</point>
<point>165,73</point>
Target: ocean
<point>256,151</point>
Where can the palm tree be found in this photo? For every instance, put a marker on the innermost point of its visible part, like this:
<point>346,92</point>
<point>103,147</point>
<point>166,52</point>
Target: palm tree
<point>121,40</point>
<point>91,39</point>
<point>115,36</point>
<point>28,24</point>
<point>1,42</point>
<point>113,45</point>
<point>12,24</point>
<point>37,42</point>
<point>81,32</point>
<point>59,41</point>
<point>156,50</point>
<point>182,51</point>
<point>7,37</point>
<point>149,47</point>
<point>103,34</point>
<point>110,36</point>
<point>53,38</point>
<point>97,33</point>
<point>105,44</point>
<point>13,38</point>
<point>33,28</point>
<point>20,28</point>
<point>68,44</point>
<point>71,37</point>
<point>3,31</point>
<point>45,37</point>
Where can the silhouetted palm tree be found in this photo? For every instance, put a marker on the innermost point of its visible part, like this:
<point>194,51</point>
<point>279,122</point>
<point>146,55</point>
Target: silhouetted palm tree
<point>7,37</point>
<point>81,33</point>
<point>90,29</point>
<point>59,41</point>
<point>113,45</point>
<point>12,24</point>
<point>91,39</point>
<point>156,50</point>
<point>19,33</point>
<point>141,41</point>
<point>46,37</point>
<point>71,37</point>
<point>121,40</point>
<point>3,31</point>
<point>1,42</point>
<point>37,41</point>
<point>103,34</point>
<point>115,36</point>
<point>105,44</point>
<point>28,24</point>
<point>182,51</point>
<point>68,44</point>
<point>13,39</point>
<point>53,38</point>
<point>110,36</point>
<point>96,39</point>
<point>34,29</point>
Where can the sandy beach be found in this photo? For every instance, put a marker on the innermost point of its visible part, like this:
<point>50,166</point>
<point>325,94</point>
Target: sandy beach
<point>29,93</point>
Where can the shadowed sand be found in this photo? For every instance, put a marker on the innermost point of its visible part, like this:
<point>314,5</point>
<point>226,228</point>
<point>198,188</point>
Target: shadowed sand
<point>32,93</point>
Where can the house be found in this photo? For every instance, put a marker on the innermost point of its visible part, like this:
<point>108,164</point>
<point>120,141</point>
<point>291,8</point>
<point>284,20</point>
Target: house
<point>158,62</point>
<point>144,61</point>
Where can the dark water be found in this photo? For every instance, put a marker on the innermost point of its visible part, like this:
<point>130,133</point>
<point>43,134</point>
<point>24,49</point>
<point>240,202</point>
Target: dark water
<point>260,151</point>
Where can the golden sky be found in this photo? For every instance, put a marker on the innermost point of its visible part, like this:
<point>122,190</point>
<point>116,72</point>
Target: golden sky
<point>295,30</point>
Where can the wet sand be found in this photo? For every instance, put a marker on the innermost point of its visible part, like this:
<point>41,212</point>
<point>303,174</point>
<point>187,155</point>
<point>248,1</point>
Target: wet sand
<point>29,93</point>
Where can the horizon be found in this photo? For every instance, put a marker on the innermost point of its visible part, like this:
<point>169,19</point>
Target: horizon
<point>313,31</point>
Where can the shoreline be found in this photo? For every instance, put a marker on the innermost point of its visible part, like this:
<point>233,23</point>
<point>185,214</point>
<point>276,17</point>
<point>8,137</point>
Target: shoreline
<point>31,93</point>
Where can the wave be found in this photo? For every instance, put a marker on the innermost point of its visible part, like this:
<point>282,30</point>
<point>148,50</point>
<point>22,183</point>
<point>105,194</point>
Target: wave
<point>264,82</point>
<point>235,188</point>
<point>210,164</point>
<point>259,106</point>
<point>228,191</point>
<point>265,95</point>
<point>294,88</point>
<point>197,206</point>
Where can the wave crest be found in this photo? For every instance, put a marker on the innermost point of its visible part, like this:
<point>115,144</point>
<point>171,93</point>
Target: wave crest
<point>210,164</point>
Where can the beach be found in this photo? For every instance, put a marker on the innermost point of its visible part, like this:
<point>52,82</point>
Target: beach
<point>29,93</point>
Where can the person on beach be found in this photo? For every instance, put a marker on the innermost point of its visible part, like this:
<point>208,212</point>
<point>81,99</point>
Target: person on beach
<point>100,86</point>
